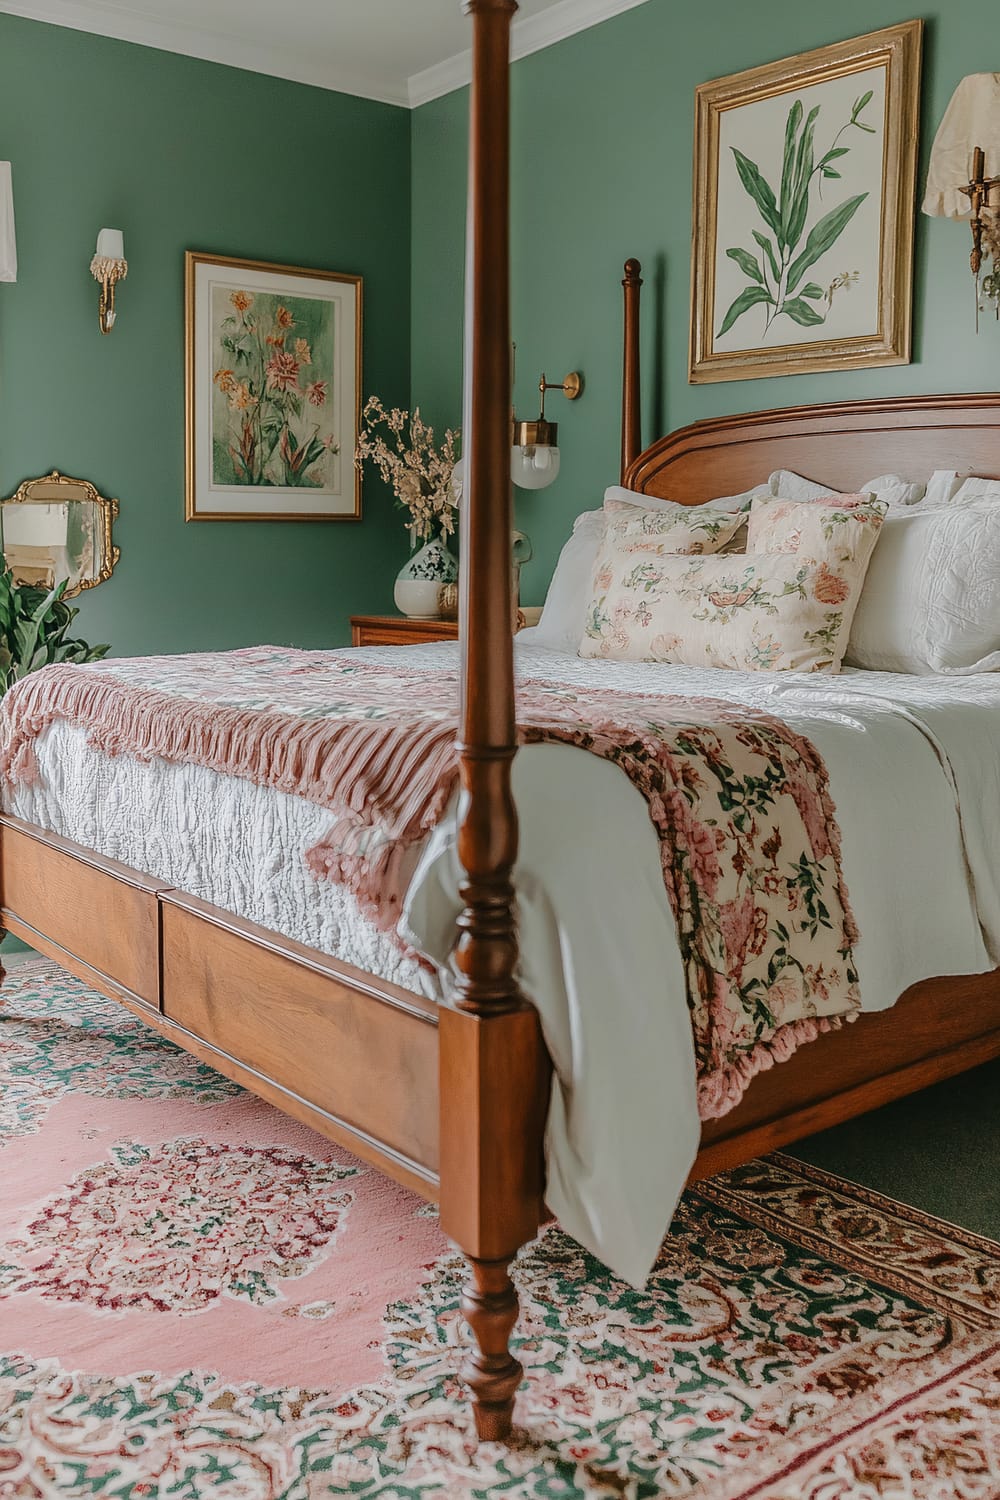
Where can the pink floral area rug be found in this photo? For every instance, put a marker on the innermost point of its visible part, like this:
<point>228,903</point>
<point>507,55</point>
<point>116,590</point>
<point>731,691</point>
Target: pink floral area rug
<point>202,1300</point>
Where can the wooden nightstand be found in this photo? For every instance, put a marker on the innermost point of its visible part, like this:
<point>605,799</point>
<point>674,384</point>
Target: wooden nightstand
<point>397,630</point>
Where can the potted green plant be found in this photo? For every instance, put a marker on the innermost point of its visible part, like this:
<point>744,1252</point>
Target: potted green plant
<point>33,630</point>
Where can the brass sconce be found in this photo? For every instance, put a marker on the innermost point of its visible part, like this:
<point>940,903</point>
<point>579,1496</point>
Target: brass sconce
<point>985,229</point>
<point>109,266</point>
<point>534,455</point>
<point>959,184</point>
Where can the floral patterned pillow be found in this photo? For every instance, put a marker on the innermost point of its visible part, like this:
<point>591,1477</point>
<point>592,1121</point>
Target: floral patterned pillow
<point>677,528</point>
<point>785,610</point>
<point>849,524</point>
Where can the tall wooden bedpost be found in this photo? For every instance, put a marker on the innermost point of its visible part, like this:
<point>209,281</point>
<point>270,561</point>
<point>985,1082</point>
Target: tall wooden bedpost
<point>631,405</point>
<point>493,1063</point>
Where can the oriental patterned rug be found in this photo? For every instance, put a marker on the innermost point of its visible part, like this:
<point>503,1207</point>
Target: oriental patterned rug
<point>202,1300</point>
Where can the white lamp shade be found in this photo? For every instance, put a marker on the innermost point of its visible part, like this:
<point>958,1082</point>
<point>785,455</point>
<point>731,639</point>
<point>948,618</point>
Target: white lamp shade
<point>534,467</point>
<point>971,119</point>
<point>111,244</point>
<point>8,246</point>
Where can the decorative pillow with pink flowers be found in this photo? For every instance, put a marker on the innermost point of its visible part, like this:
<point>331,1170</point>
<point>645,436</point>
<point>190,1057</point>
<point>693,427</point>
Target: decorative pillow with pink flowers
<point>784,605</point>
<point>849,523</point>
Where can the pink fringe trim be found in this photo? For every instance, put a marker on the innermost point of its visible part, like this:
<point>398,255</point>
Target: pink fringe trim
<point>722,1090</point>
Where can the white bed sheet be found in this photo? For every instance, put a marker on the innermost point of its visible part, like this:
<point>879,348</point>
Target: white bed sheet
<point>907,757</point>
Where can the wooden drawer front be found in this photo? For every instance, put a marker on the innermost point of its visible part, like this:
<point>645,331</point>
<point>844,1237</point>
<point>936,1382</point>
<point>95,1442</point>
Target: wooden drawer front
<point>386,630</point>
<point>90,906</point>
<point>361,1062</point>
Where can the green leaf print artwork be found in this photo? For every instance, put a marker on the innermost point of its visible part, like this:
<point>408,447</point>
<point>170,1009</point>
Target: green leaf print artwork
<point>776,278</point>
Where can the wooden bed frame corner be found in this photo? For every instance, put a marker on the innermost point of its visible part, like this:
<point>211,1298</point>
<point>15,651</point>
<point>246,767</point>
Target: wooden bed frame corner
<point>451,1100</point>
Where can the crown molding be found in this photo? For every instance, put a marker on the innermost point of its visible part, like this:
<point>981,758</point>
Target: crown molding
<point>125,25</point>
<point>533,34</point>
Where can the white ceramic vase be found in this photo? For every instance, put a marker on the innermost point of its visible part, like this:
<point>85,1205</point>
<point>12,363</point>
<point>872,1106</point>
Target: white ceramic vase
<point>420,580</point>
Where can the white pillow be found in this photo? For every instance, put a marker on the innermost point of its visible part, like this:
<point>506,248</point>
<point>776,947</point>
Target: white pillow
<point>566,599</point>
<point>941,487</point>
<point>561,624</point>
<point>785,484</point>
<point>976,489</point>
<point>931,601</point>
<point>894,492</point>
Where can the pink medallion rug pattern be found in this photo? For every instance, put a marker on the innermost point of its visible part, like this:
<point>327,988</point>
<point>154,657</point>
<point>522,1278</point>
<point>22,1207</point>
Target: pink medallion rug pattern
<point>202,1300</point>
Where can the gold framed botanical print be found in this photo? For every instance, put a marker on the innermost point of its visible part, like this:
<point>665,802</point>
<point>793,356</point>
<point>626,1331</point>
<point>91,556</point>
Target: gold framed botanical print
<point>272,391</point>
<point>804,175</point>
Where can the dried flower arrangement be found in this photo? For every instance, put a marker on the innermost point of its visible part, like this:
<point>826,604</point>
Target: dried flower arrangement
<point>418,472</point>
<point>988,289</point>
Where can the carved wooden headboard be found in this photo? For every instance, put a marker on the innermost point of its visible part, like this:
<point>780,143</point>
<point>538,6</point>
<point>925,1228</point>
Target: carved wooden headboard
<point>842,444</point>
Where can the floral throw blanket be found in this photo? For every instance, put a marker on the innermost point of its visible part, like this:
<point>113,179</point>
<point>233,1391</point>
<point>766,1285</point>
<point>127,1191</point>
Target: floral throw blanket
<point>749,843</point>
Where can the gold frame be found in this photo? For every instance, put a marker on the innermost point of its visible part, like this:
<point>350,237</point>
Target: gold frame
<point>194,258</point>
<point>898,48</point>
<point>107,508</point>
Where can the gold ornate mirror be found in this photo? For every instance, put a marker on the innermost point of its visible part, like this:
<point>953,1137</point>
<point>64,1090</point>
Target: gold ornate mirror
<point>55,527</point>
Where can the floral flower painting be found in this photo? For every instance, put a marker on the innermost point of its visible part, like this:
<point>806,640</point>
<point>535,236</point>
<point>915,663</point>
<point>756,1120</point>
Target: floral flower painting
<point>272,391</point>
<point>273,419</point>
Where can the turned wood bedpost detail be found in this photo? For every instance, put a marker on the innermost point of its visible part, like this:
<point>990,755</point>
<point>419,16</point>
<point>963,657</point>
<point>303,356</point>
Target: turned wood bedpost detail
<point>631,406</point>
<point>493,1064</point>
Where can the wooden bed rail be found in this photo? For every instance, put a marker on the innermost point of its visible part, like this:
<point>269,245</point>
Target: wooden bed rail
<point>493,1065</point>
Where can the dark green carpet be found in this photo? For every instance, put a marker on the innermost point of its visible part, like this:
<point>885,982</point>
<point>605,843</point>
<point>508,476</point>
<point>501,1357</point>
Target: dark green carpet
<point>938,1150</point>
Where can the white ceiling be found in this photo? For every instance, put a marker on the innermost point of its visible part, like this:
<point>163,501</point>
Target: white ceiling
<point>400,51</point>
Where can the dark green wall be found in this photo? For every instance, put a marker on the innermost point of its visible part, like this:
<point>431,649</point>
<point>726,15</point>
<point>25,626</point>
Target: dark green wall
<point>601,169</point>
<point>182,154</point>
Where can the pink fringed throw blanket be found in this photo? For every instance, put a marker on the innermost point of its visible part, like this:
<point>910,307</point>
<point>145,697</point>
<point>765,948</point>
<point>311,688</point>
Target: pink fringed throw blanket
<point>748,838</point>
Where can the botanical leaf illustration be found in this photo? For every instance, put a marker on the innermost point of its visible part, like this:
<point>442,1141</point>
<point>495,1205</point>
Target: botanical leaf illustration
<point>747,263</point>
<point>775,277</point>
<point>821,237</point>
<point>768,249</point>
<point>743,303</point>
<point>801,312</point>
<point>758,189</point>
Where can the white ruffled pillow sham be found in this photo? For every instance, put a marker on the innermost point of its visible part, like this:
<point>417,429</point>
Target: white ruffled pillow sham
<point>891,489</point>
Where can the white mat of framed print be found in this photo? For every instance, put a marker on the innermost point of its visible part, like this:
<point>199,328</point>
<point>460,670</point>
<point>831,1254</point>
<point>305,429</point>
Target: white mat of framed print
<point>273,379</point>
<point>803,211</point>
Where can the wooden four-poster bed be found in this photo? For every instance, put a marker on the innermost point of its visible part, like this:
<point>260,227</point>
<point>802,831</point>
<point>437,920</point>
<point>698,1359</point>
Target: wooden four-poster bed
<point>450,1100</point>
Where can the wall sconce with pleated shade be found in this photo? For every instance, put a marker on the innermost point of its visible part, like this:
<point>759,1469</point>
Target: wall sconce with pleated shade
<point>963,180</point>
<point>109,266</point>
<point>8,245</point>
